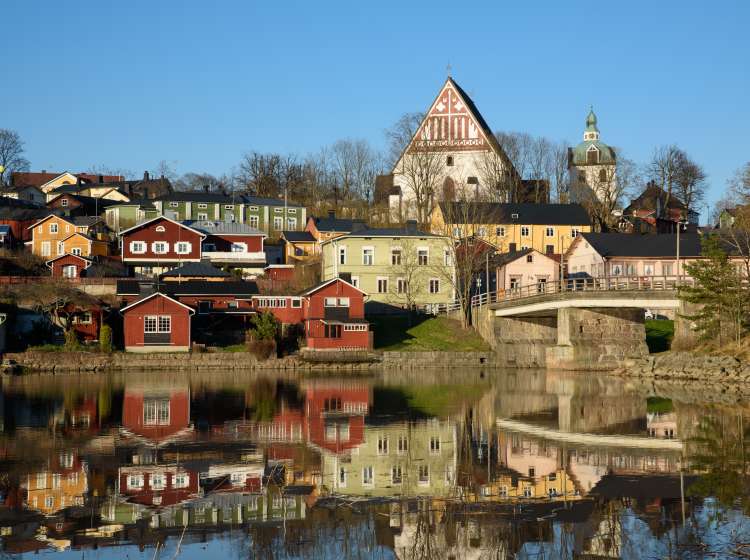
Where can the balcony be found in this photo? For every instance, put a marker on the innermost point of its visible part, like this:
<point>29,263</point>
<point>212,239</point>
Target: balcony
<point>236,257</point>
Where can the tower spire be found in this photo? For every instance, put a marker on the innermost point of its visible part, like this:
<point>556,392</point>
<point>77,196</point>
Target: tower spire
<point>592,131</point>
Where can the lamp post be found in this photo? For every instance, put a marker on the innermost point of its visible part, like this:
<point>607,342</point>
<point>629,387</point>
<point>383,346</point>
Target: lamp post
<point>679,227</point>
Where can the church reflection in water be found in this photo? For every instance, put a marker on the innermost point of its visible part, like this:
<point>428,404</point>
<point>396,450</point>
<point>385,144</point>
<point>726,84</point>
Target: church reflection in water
<point>518,464</point>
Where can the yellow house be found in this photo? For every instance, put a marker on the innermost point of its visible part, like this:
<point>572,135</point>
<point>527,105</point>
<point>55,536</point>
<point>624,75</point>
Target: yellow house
<point>299,246</point>
<point>58,235</point>
<point>548,228</point>
<point>64,486</point>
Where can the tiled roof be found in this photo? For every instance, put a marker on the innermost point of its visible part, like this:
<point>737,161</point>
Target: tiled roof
<point>409,230</point>
<point>222,228</point>
<point>85,220</point>
<point>238,288</point>
<point>612,245</point>
<point>514,213</point>
<point>334,224</point>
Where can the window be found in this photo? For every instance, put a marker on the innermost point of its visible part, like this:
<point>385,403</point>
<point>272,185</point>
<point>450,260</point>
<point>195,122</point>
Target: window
<point>550,249</point>
<point>456,231</point>
<point>396,257</point>
<point>342,255</point>
<point>423,256</point>
<point>278,222</point>
<point>666,269</point>
<point>83,319</point>
<point>343,302</point>
<point>355,281</point>
<point>254,221</point>
<point>181,480</point>
<point>156,412</point>
<point>592,155</point>
<point>529,258</point>
<point>434,444</point>
<point>297,303</point>
<point>368,256</point>
<point>183,247</point>
<point>157,324</point>
<point>49,502</point>
<point>202,206</point>
<point>173,204</point>
<point>367,476</point>
<point>291,223</point>
<point>202,216</point>
<point>209,247</point>
<point>229,207</point>
<point>403,444</point>
<point>382,285</point>
<point>482,231</point>
<point>550,232</point>
<point>204,307</point>
<point>76,251</point>
<point>135,481</point>
<point>630,269</point>
<point>396,475</point>
<point>449,161</point>
<point>401,285</point>
<point>60,248</point>
<point>229,217</point>
<point>515,283</point>
<point>329,302</point>
<point>616,269</point>
<point>434,286</point>
<point>342,477</point>
<point>383,445</point>
<point>160,229</point>
<point>64,202</point>
<point>424,474</point>
<point>332,404</point>
<point>332,331</point>
<point>238,247</point>
<point>574,233</point>
<point>56,480</point>
<point>500,232</point>
<point>277,210</point>
<point>648,269</point>
<point>355,328</point>
<point>446,257</point>
<point>541,285</point>
<point>53,228</point>
<point>514,216</point>
<point>157,481</point>
<point>160,247</point>
<point>272,303</point>
<point>524,231</point>
<point>253,209</point>
<point>603,176</point>
<point>70,271</point>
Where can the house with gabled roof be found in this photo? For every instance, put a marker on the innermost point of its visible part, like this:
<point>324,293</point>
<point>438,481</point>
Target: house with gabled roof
<point>56,235</point>
<point>157,323</point>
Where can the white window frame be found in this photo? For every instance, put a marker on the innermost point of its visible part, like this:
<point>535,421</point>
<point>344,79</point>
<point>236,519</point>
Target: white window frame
<point>278,223</point>
<point>160,229</point>
<point>174,204</point>
<point>135,481</point>
<point>378,280</point>
<point>549,231</point>
<point>401,285</point>
<point>181,480</point>
<point>368,476</point>
<point>421,250</point>
<point>76,251</point>
<point>342,477</point>
<point>500,231</point>
<point>60,248</point>
<point>397,256</point>
<point>371,255</point>
<point>188,247</point>
<point>54,227</point>
<point>527,230</point>
<point>238,247</point>
<point>63,202</point>
<point>160,485</point>
<point>46,248</point>
<point>397,474</point>
<point>436,282</point>
<point>291,223</point>
<point>67,268</point>
<point>423,481</point>
<point>202,206</point>
<point>355,281</point>
<point>202,217</point>
<point>156,243</point>
<point>277,210</point>
<point>254,221</point>
<point>435,445</point>
<point>383,445</point>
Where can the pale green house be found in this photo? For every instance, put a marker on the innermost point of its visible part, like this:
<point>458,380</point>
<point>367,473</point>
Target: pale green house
<point>401,267</point>
<point>400,459</point>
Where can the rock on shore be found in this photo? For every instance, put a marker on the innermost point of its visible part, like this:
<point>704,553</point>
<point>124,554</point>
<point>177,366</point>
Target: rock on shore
<point>689,366</point>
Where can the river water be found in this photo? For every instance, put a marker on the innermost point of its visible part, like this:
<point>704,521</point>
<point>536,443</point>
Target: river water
<point>435,464</point>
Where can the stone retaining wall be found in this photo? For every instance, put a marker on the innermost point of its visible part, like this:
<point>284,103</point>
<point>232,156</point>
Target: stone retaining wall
<point>689,367</point>
<point>81,362</point>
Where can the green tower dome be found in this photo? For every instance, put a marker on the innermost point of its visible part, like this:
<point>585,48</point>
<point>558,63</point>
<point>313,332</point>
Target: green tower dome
<point>591,121</point>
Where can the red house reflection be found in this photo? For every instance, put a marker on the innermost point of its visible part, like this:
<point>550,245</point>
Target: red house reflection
<point>157,412</point>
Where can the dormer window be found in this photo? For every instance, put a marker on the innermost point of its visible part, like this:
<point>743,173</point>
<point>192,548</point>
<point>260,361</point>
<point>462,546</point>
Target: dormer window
<point>592,155</point>
<point>449,161</point>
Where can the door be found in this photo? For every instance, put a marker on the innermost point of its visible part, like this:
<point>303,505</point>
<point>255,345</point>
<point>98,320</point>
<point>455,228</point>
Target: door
<point>69,271</point>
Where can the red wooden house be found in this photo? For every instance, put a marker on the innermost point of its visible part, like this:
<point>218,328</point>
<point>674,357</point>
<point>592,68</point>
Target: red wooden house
<point>157,323</point>
<point>335,412</point>
<point>160,244</point>
<point>334,317</point>
<point>156,413</point>
<point>158,485</point>
<point>69,266</point>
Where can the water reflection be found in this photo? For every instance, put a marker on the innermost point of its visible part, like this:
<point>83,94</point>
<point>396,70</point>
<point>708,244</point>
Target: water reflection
<point>515,465</point>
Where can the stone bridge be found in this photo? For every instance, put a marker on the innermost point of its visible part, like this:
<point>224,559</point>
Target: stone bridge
<point>593,326</point>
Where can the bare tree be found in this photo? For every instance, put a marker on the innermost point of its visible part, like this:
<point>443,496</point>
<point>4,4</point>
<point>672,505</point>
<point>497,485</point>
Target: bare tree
<point>739,184</point>
<point>496,175</point>
<point>400,135</point>
<point>606,194</point>
<point>355,165</point>
<point>11,154</point>
<point>165,169</point>
<point>197,181</point>
<point>423,175</point>
<point>258,174</point>
<point>690,183</point>
<point>559,172</point>
<point>664,170</point>
<point>100,169</point>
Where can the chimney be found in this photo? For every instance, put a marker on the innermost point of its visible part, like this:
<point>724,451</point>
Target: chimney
<point>78,180</point>
<point>100,178</point>
<point>411,226</point>
<point>145,176</point>
<point>331,214</point>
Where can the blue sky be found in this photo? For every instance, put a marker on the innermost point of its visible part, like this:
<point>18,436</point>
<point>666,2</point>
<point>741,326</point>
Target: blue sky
<point>127,84</point>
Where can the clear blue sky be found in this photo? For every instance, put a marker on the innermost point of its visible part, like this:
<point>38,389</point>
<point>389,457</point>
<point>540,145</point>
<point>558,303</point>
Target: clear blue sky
<point>127,84</point>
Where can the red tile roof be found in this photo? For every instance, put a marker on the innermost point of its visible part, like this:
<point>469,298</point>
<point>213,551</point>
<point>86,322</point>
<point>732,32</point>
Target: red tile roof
<point>37,179</point>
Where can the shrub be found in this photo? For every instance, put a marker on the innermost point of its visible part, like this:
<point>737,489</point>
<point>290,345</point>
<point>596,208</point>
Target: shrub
<point>266,326</point>
<point>71,341</point>
<point>105,339</point>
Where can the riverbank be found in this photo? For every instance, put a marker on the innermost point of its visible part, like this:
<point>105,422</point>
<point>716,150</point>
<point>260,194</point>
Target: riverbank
<point>689,366</point>
<point>335,362</point>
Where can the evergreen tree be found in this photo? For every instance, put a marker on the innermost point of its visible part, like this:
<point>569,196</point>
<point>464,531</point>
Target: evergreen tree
<point>718,292</point>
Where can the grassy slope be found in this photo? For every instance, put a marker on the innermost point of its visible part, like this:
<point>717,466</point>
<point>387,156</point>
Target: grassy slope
<point>425,334</point>
<point>659,335</point>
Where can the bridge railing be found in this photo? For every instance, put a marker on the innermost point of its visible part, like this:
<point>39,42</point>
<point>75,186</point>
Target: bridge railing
<point>603,284</point>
